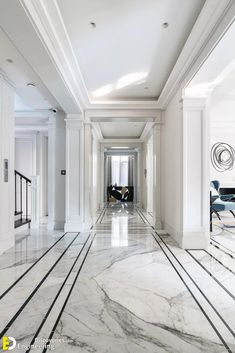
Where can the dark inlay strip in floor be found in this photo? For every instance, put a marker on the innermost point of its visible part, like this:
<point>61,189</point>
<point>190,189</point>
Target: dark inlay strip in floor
<point>30,268</point>
<point>99,216</point>
<point>199,305</point>
<point>140,216</point>
<point>35,289</point>
<point>214,258</point>
<point>101,220</point>
<point>217,242</point>
<point>67,298</point>
<point>147,221</point>
<point>57,295</point>
<point>224,229</point>
<point>212,276</point>
<point>225,252</point>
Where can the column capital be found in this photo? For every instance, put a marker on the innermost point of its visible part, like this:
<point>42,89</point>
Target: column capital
<point>194,103</point>
<point>74,122</point>
<point>74,117</point>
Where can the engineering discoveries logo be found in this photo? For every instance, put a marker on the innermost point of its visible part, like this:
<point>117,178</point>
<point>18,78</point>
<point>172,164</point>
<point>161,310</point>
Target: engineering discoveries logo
<point>8,343</point>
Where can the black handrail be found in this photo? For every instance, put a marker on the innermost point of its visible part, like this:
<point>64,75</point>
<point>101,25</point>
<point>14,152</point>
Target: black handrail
<point>23,176</point>
<point>22,179</point>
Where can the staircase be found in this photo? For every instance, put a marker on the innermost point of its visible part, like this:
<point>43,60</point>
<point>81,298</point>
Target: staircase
<point>22,197</point>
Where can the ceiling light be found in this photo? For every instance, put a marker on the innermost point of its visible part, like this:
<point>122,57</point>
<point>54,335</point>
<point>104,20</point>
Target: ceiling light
<point>10,61</point>
<point>31,84</point>
<point>92,24</point>
<point>165,24</point>
<point>119,147</point>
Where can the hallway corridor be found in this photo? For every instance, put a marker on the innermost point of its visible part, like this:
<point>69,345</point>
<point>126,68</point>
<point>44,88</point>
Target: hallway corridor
<point>121,288</point>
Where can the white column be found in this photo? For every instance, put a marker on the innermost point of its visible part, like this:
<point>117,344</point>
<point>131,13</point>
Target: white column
<point>196,175</point>
<point>56,163</point>
<point>98,173</point>
<point>103,197</point>
<point>35,202</point>
<point>87,175</point>
<point>74,174</point>
<point>42,167</point>
<point>6,160</point>
<point>95,197</point>
<point>139,178</point>
<point>157,222</point>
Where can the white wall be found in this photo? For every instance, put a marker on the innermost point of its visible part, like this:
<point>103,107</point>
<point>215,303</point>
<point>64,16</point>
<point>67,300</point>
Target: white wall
<point>222,117</point>
<point>25,154</point>
<point>96,175</point>
<point>56,163</point>
<point>147,179</point>
<point>171,167</point>
<point>6,152</point>
<point>31,155</point>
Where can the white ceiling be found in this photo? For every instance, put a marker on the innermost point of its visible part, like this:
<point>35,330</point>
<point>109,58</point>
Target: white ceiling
<point>19,72</point>
<point>122,129</point>
<point>107,68</point>
<point>129,55</point>
<point>20,41</point>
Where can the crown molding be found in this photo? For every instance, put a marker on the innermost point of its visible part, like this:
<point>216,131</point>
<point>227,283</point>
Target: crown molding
<point>39,113</point>
<point>47,20</point>
<point>120,142</point>
<point>54,38</point>
<point>133,115</point>
<point>31,127</point>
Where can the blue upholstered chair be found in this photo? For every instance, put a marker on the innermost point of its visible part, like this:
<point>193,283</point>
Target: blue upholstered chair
<point>221,202</point>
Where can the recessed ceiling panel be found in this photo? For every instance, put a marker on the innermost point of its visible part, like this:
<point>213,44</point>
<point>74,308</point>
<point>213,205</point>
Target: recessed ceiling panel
<point>126,49</point>
<point>122,130</point>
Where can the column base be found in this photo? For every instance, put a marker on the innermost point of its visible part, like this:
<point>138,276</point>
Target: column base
<point>157,224</point>
<point>77,226</point>
<point>198,239</point>
<point>55,225</point>
<point>195,240</point>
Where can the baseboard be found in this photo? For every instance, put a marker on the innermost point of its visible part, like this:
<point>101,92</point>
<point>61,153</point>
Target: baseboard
<point>55,225</point>
<point>157,223</point>
<point>7,242</point>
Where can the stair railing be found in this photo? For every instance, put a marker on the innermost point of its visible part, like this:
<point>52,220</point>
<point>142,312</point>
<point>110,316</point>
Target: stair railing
<point>22,184</point>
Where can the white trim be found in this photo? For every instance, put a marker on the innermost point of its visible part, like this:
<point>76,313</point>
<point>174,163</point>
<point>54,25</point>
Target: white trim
<point>32,128</point>
<point>210,26</point>
<point>45,28</point>
<point>97,131</point>
<point>213,20</point>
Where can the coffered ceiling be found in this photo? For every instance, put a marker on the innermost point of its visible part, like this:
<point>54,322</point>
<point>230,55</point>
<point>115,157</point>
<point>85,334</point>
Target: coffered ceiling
<point>124,57</point>
<point>126,49</point>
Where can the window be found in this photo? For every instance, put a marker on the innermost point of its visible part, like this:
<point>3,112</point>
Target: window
<point>119,170</point>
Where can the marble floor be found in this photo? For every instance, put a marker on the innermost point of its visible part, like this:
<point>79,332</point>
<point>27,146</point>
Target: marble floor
<point>119,288</point>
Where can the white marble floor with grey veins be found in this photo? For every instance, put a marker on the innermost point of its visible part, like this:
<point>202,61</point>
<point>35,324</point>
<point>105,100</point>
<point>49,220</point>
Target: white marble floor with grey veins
<point>120,288</point>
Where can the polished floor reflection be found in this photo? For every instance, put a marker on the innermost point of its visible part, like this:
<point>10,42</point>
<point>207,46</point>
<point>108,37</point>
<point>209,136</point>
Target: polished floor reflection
<point>119,288</point>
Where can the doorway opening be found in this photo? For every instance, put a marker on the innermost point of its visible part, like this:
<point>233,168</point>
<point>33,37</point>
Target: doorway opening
<point>215,82</point>
<point>120,177</point>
